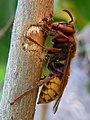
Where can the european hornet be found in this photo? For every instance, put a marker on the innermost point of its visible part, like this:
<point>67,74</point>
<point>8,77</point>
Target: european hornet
<point>61,54</point>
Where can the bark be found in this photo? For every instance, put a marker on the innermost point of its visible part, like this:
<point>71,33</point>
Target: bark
<point>23,68</point>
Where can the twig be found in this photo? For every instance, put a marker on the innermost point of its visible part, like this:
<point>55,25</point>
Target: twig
<point>23,67</point>
<point>44,112</point>
<point>4,30</point>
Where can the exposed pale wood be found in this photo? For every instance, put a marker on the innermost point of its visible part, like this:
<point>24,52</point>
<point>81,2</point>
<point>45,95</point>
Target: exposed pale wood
<point>23,68</point>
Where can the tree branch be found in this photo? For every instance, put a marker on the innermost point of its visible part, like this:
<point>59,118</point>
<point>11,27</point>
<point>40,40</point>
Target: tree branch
<point>23,67</point>
<point>5,28</point>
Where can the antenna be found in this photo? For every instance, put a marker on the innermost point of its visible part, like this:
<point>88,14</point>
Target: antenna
<point>69,15</point>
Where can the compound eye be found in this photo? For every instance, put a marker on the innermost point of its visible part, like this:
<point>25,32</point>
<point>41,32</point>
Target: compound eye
<point>71,26</point>
<point>67,24</point>
<point>64,23</point>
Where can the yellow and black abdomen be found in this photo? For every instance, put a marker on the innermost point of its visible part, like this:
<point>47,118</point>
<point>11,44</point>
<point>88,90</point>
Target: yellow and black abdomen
<point>53,89</point>
<point>50,91</point>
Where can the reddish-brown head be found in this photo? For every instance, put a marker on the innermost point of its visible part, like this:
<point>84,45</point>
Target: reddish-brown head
<point>64,27</point>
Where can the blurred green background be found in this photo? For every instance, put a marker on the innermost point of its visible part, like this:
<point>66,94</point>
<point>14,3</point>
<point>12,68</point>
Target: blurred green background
<point>79,9</point>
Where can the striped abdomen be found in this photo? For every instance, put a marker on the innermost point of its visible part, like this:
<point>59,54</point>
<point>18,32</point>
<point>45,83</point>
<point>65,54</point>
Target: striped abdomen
<point>51,90</point>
